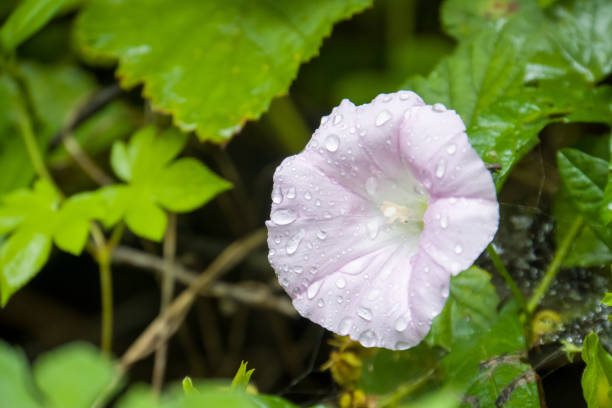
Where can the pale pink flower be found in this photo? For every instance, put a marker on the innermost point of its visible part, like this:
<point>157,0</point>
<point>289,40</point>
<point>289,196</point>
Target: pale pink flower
<point>368,223</point>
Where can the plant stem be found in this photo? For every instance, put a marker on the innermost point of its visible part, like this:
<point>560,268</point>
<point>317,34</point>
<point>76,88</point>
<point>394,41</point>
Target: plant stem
<point>167,290</point>
<point>25,126</point>
<point>404,390</point>
<point>501,268</point>
<point>106,293</point>
<point>555,265</point>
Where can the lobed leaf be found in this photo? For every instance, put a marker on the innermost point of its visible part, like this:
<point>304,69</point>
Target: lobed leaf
<point>181,53</point>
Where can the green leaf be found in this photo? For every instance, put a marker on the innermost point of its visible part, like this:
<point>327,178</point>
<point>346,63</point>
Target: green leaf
<point>35,218</point>
<point>580,32</point>
<point>607,300</point>
<point>155,180</point>
<point>242,377</point>
<point>232,61</point>
<point>587,250</point>
<point>606,211</point>
<point>597,376</point>
<point>463,19</point>
<point>29,17</point>
<point>74,376</point>
<point>21,257</point>
<point>15,381</point>
<point>585,177</point>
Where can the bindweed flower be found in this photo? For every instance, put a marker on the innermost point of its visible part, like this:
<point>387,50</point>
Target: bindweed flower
<point>369,222</point>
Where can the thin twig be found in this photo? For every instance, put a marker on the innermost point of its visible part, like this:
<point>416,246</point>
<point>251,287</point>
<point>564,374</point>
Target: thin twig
<point>255,294</point>
<point>501,268</point>
<point>167,290</point>
<point>85,162</point>
<point>86,110</point>
<point>164,326</point>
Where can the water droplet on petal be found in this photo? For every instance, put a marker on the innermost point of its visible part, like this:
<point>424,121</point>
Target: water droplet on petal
<point>370,185</point>
<point>313,289</point>
<point>320,303</point>
<point>364,313</point>
<point>307,195</point>
<point>332,142</point>
<point>294,242</point>
<point>283,216</point>
<point>444,222</point>
<point>373,295</point>
<point>345,326</point>
<point>402,345</point>
<point>383,117</point>
<point>291,193</point>
<point>298,269</point>
<point>372,226</point>
<point>321,235</point>
<point>458,249</point>
<point>440,168</point>
<point>368,338</point>
<point>402,323</point>
<point>337,119</point>
<point>438,107</point>
<point>451,148</point>
<point>277,197</point>
<point>341,283</point>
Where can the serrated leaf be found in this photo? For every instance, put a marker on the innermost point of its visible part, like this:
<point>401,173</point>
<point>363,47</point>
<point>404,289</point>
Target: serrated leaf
<point>463,19</point>
<point>260,47</point>
<point>587,250</point>
<point>580,31</point>
<point>597,376</point>
<point>74,376</point>
<point>27,19</point>
<point>585,177</point>
<point>15,380</point>
<point>155,180</point>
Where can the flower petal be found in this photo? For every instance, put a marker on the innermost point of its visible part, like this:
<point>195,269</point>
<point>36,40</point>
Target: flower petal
<point>434,144</point>
<point>458,230</point>
<point>359,145</point>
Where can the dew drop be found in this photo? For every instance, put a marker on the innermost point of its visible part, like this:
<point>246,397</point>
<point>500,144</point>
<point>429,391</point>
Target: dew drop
<point>345,326</point>
<point>383,117</point>
<point>364,313</point>
<point>283,216</point>
<point>341,283</point>
<point>317,203</point>
<point>291,193</point>
<point>440,168</point>
<point>370,185</point>
<point>277,197</point>
<point>321,235</point>
<point>373,294</point>
<point>401,324</point>
<point>368,338</point>
<point>308,195</point>
<point>294,242</point>
<point>458,249</point>
<point>372,226</point>
<point>438,107</point>
<point>339,299</point>
<point>298,269</point>
<point>337,119</point>
<point>451,148</point>
<point>313,289</point>
<point>320,303</point>
<point>402,345</point>
<point>332,142</point>
<point>444,222</point>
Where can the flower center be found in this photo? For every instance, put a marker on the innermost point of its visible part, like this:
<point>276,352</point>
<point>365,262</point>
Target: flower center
<point>394,212</point>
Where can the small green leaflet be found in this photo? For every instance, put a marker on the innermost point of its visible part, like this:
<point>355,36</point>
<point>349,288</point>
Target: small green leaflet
<point>57,379</point>
<point>33,219</point>
<point>242,377</point>
<point>597,376</point>
<point>154,180</point>
<point>211,64</point>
